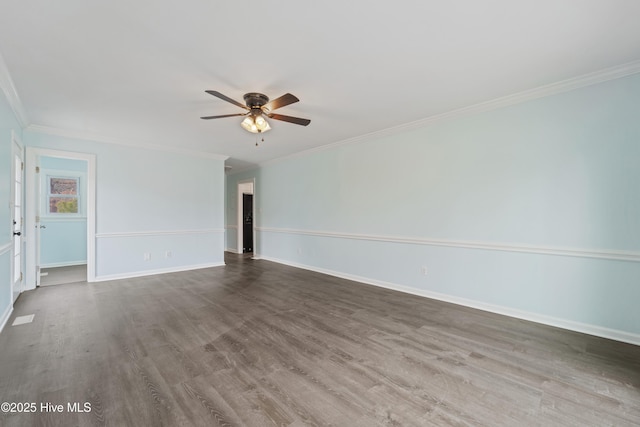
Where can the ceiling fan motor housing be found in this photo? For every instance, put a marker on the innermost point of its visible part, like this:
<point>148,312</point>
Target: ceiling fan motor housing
<point>255,99</point>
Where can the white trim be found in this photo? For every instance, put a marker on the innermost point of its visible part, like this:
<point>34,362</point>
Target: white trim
<point>230,226</point>
<point>48,218</point>
<point>158,233</point>
<point>5,317</point>
<point>63,264</point>
<point>33,153</point>
<point>494,104</point>
<point>492,246</point>
<point>11,93</point>
<point>158,271</point>
<point>6,248</point>
<point>232,250</point>
<point>571,325</point>
<point>67,133</point>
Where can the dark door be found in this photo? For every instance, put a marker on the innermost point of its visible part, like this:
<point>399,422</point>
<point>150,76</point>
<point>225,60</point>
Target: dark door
<point>247,223</point>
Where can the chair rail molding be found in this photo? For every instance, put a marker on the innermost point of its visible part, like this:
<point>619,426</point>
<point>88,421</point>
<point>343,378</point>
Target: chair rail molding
<point>492,246</point>
<point>158,233</point>
<point>6,248</point>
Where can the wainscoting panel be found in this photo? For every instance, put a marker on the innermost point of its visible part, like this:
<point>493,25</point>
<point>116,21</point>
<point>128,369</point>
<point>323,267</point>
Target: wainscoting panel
<point>132,254</point>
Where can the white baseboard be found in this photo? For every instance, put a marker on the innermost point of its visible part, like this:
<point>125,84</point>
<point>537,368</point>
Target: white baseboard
<point>235,251</point>
<point>63,264</point>
<point>5,317</point>
<point>571,325</point>
<point>131,275</point>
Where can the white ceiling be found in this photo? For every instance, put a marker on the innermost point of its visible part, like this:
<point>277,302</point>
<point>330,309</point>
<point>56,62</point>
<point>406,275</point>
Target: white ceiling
<point>136,71</point>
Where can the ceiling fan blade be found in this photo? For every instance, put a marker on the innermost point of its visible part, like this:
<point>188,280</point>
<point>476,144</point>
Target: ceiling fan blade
<point>224,115</point>
<point>295,120</point>
<point>284,100</point>
<point>226,98</point>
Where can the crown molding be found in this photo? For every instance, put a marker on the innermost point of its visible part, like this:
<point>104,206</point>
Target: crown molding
<point>11,93</point>
<point>567,85</point>
<point>50,130</point>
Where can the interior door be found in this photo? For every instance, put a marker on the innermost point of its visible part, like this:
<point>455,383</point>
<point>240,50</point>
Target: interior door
<point>247,223</point>
<point>16,219</point>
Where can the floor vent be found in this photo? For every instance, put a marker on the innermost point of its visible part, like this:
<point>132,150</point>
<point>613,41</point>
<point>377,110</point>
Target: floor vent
<point>21,320</point>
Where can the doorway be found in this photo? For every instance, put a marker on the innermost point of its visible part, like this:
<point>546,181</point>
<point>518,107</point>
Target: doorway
<point>62,245</point>
<point>246,217</point>
<point>61,213</point>
<point>247,223</point>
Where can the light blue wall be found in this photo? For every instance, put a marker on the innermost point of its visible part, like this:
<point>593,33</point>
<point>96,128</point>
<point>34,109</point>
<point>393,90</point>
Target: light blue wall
<point>8,123</point>
<point>58,163</point>
<point>63,241</point>
<point>557,172</point>
<point>151,201</point>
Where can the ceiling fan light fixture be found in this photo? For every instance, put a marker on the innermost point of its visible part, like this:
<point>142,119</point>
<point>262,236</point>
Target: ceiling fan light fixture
<point>249,124</point>
<point>260,121</point>
<point>262,126</point>
<point>256,124</point>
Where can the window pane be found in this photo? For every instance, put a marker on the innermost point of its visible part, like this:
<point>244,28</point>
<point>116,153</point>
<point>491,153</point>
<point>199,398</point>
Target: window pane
<point>63,204</point>
<point>18,166</point>
<point>16,269</point>
<point>63,186</point>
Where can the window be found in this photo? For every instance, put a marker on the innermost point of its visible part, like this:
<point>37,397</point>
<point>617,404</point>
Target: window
<point>63,195</point>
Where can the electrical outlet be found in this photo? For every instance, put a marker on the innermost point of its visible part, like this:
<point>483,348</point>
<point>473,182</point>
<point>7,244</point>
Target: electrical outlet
<point>423,270</point>
<point>299,250</point>
<point>168,254</point>
<point>147,256</point>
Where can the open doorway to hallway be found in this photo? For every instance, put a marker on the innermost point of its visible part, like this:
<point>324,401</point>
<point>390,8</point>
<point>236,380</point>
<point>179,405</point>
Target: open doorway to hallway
<point>63,220</point>
<point>60,212</point>
<point>246,217</point>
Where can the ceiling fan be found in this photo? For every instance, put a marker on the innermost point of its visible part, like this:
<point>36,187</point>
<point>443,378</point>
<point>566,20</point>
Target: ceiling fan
<point>258,106</point>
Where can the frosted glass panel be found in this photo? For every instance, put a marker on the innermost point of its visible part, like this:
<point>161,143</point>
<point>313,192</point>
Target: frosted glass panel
<point>17,214</point>
<point>16,269</point>
<point>18,169</point>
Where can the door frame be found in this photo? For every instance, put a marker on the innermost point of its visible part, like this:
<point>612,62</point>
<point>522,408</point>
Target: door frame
<point>32,204</point>
<point>17,149</point>
<point>239,219</point>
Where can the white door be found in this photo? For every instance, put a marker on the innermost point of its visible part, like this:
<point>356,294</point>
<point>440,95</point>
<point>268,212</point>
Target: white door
<point>16,219</point>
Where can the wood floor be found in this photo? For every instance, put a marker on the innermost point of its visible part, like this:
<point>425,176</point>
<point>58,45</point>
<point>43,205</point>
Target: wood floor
<point>62,275</point>
<point>259,344</point>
